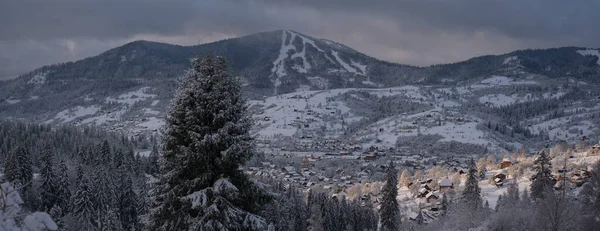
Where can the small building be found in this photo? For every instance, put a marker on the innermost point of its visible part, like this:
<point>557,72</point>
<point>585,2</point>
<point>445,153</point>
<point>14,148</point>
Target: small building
<point>369,157</point>
<point>498,182</point>
<point>595,149</point>
<point>500,176</point>
<point>433,197</point>
<point>506,162</point>
<point>446,184</point>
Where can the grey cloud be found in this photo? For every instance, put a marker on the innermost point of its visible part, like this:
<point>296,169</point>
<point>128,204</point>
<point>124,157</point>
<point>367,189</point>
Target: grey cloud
<point>40,32</point>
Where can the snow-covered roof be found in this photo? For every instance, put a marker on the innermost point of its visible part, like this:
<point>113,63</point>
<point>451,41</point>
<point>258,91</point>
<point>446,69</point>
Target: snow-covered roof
<point>446,183</point>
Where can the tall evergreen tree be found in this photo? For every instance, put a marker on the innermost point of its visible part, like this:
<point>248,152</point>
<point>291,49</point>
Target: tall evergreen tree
<point>104,156</point>
<point>19,171</point>
<point>152,166</point>
<point>541,181</point>
<point>206,140</point>
<point>471,194</point>
<point>389,211</point>
<point>48,188</point>
<point>127,206</point>
<point>83,207</point>
<point>63,193</point>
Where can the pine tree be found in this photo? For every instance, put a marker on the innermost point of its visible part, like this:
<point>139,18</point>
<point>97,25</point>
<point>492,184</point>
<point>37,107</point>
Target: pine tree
<point>127,206</point>
<point>152,167</point>
<point>389,212</point>
<point>143,203</point>
<point>48,188</point>
<point>63,193</point>
<point>105,156</point>
<point>471,194</point>
<point>117,159</point>
<point>541,181</point>
<point>206,140</point>
<point>83,207</point>
<point>19,172</point>
<point>419,219</point>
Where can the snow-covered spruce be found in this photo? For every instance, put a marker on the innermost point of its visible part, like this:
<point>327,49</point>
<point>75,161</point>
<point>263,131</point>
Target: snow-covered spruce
<point>205,141</point>
<point>541,181</point>
<point>389,212</point>
<point>13,219</point>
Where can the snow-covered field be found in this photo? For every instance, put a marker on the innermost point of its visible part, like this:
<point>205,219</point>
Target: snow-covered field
<point>593,52</point>
<point>131,98</point>
<point>74,113</point>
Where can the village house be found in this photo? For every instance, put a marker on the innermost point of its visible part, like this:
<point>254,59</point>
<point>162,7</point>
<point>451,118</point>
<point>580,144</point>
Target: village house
<point>432,197</point>
<point>446,184</point>
<point>499,179</point>
<point>506,162</point>
<point>595,150</point>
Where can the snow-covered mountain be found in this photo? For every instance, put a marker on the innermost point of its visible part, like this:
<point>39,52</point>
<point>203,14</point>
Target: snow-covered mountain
<point>307,89</point>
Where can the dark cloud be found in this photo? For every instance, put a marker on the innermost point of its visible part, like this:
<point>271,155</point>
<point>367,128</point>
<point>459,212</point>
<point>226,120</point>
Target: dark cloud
<point>42,32</point>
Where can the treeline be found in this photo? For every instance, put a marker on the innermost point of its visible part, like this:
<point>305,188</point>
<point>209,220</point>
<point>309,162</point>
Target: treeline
<point>85,178</point>
<point>290,209</point>
<point>64,139</point>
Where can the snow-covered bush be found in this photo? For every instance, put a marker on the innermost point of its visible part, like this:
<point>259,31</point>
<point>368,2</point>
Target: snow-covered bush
<point>13,219</point>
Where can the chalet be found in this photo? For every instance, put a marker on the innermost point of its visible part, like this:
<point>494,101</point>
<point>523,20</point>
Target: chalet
<point>595,149</point>
<point>369,157</point>
<point>289,169</point>
<point>500,176</point>
<point>506,162</point>
<point>499,179</point>
<point>446,184</point>
<point>498,182</point>
<point>432,197</point>
<point>423,192</point>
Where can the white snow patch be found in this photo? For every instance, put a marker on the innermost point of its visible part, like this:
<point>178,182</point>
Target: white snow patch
<point>69,115</point>
<point>144,153</point>
<point>154,103</point>
<point>278,65</point>
<point>369,83</point>
<point>151,111</point>
<point>153,123</point>
<point>496,81</point>
<point>497,100</point>
<point>34,97</point>
<point>510,59</point>
<point>553,95</point>
<point>105,118</point>
<point>344,64</point>
<point>13,101</point>
<point>590,52</point>
<point>318,82</point>
<point>38,79</point>
<point>361,67</point>
<point>131,98</point>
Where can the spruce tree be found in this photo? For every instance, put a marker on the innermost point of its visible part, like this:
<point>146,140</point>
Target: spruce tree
<point>389,211</point>
<point>127,206</point>
<point>63,193</point>
<point>48,188</point>
<point>541,181</point>
<point>152,166</point>
<point>105,156</point>
<point>20,173</point>
<point>206,140</point>
<point>83,207</point>
<point>471,194</point>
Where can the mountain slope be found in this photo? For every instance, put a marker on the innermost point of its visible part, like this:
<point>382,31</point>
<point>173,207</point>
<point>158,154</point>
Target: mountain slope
<point>128,88</point>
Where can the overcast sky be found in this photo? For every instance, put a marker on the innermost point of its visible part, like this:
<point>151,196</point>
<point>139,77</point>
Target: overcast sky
<point>34,33</point>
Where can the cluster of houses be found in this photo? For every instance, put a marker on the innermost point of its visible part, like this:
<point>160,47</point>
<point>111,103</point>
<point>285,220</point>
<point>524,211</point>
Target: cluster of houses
<point>305,178</point>
<point>575,178</point>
